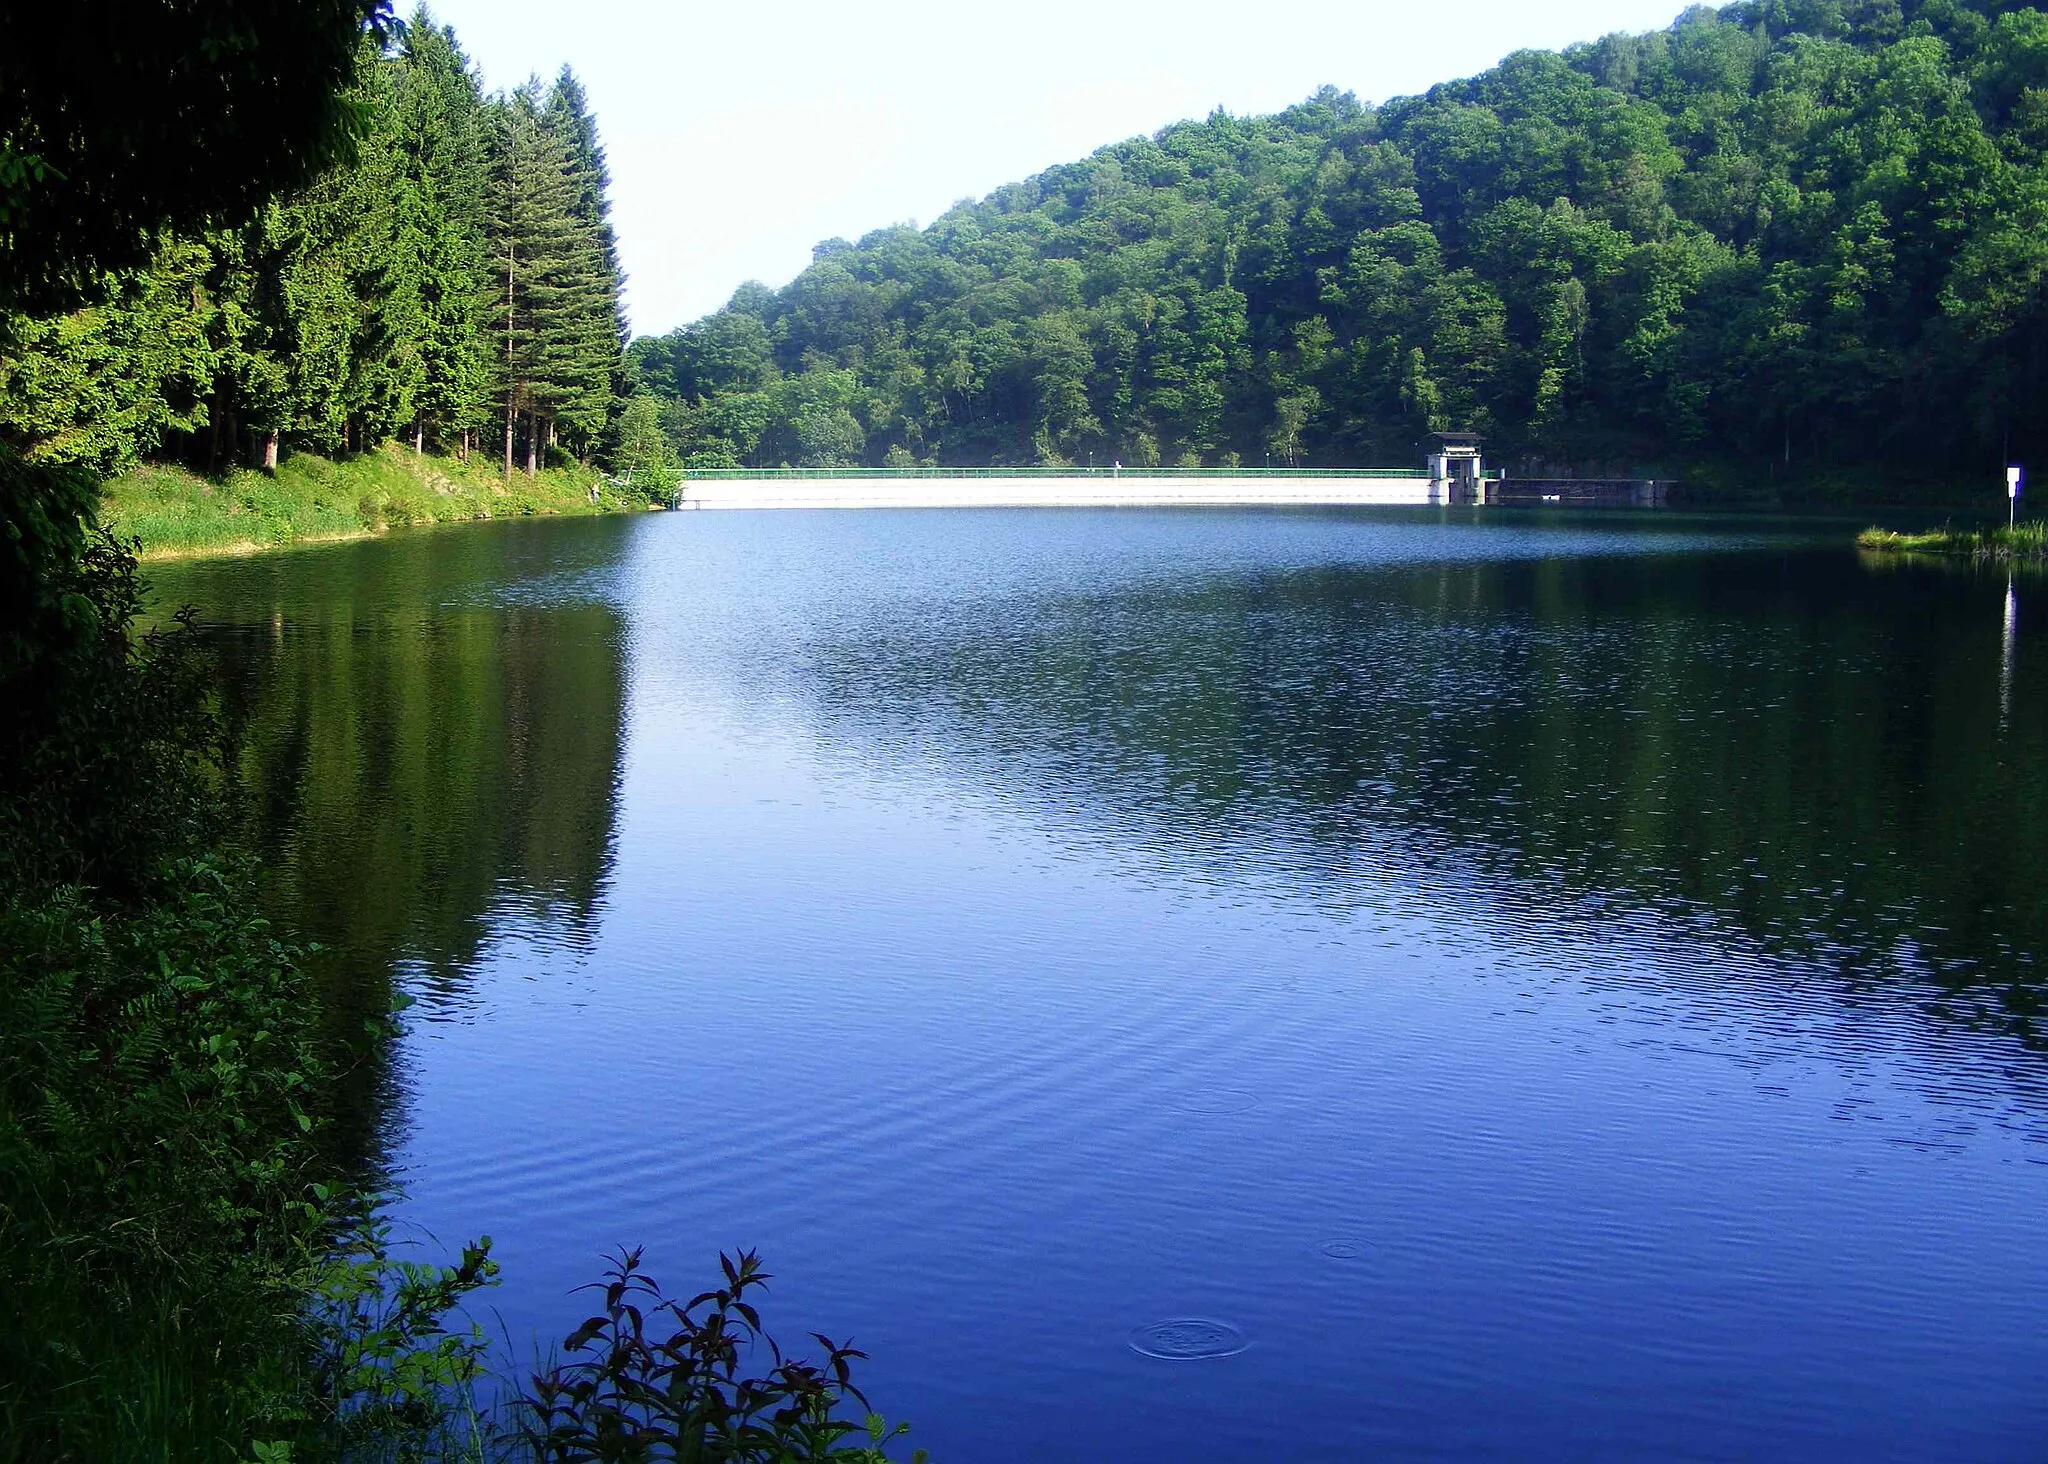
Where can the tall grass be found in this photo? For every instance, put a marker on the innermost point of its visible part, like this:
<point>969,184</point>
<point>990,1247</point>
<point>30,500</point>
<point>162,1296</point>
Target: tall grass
<point>309,499</point>
<point>2024,542</point>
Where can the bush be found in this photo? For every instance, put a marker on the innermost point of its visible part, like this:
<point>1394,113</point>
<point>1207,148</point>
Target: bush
<point>154,1162</point>
<point>643,1396</point>
<point>109,750</point>
<point>185,1273</point>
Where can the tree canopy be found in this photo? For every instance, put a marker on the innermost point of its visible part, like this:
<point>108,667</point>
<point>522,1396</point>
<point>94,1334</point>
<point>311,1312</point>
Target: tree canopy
<point>451,268</point>
<point>1786,231</point>
<point>119,121</point>
<point>119,118</point>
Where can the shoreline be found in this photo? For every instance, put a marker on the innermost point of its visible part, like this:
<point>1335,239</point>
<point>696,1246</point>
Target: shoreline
<point>173,514</point>
<point>247,548</point>
<point>2023,544</point>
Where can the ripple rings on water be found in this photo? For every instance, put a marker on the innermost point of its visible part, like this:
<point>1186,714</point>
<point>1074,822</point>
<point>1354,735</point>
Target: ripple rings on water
<point>1188,1339</point>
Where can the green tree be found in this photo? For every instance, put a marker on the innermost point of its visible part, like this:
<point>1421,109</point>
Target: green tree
<point>643,457</point>
<point>1770,232</point>
<point>442,140</point>
<point>555,299</point>
<point>602,337</point>
<point>119,120</point>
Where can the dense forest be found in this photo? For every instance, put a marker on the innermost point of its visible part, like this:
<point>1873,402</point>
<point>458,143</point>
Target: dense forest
<point>451,281</point>
<point>1783,234</point>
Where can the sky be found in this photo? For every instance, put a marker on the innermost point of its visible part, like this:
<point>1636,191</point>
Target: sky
<point>740,134</point>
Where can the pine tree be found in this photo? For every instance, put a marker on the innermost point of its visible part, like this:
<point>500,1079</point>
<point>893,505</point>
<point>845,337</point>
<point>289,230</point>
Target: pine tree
<point>547,274</point>
<point>596,354</point>
<point>344,253</point>
<point>319,324</point>
<point>443,145</point>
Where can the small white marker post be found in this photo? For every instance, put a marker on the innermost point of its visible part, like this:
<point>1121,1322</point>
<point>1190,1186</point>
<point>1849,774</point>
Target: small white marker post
<point>2015,475</point>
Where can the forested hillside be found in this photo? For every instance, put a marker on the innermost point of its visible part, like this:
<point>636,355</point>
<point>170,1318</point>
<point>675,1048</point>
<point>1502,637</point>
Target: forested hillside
<point>455,284</point>
<point>1783,234</point>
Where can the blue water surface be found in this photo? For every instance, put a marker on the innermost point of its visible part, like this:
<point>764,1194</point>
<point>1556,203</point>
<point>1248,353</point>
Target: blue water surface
<point>1555,987</point>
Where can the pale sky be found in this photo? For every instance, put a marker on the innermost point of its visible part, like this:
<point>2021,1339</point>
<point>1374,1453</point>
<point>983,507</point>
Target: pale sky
<point>742,134</point>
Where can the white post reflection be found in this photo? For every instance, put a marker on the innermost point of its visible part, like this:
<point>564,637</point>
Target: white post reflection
<point>2012,625</point>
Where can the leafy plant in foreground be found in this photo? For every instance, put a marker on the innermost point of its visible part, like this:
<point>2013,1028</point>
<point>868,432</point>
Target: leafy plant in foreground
<point>640,1396</point>
<point>395,1380</point>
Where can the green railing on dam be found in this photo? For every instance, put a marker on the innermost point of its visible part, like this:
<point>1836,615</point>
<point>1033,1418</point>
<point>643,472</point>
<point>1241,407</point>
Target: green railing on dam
<point>714,475</point>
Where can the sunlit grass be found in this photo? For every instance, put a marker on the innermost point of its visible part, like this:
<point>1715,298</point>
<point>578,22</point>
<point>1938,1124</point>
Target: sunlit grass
<point>2022,541</point>
<point>174,512</point>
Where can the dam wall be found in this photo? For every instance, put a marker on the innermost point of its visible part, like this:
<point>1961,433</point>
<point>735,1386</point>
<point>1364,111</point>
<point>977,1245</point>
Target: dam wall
<point>1057,490</point>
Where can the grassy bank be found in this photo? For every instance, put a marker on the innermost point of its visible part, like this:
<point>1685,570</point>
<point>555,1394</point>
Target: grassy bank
<point>2025,543</point>
<point>175,513</point>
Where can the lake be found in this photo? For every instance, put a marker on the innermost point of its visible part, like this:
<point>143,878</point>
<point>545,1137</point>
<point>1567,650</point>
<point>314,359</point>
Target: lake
<point>1524,986</point>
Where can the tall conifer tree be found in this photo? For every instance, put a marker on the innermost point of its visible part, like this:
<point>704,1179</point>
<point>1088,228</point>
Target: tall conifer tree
<point>545,272</point>
<point>444,147</point>
<point>603,340</point>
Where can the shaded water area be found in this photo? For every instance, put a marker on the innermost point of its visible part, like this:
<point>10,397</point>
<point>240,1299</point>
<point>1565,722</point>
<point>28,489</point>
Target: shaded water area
<point>1209,985</point>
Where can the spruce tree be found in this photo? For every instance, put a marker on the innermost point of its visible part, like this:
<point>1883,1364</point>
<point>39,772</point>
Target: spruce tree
<point>343,253</point>
<point>547,275</point>
<point>601,341</point>
<point>443,148</point>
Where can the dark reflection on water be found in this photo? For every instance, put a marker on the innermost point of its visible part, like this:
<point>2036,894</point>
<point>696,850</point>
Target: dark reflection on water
<point>425,755</point>
<point>1561,988</point>
<point>1824,758</point>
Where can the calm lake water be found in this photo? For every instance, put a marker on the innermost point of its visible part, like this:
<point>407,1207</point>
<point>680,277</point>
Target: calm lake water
<point>1547,988</point>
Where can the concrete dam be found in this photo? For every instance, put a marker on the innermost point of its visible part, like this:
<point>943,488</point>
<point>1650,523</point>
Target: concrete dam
<point>794,489</point>
<point>1454,472</point>
<point>1104,488</point>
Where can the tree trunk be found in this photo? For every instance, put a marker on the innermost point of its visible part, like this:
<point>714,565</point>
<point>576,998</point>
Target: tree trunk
<point>214,419</point>
<point>532,442</point>
<point>419,438</point>
<point>270,452</point>
<point>511,385</point>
